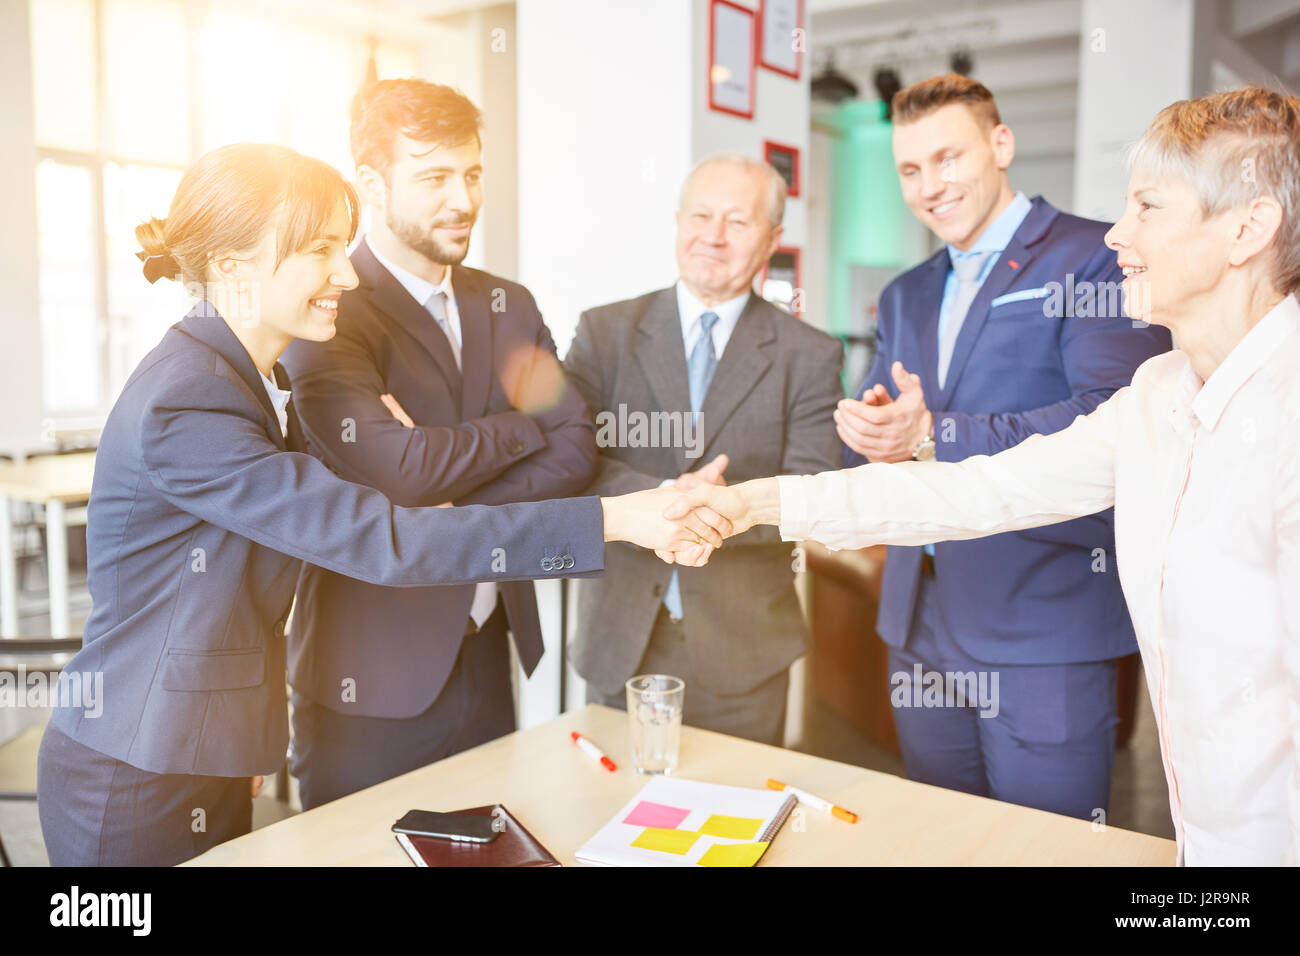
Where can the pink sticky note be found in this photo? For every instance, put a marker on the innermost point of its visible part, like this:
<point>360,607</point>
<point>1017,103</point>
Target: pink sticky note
<point>647,814</point>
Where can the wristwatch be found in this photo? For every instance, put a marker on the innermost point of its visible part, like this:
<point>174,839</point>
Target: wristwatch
<point>925,450</point>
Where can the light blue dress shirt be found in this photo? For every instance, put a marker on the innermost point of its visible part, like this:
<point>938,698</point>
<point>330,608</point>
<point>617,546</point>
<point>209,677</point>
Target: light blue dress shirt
<point>994,239</point>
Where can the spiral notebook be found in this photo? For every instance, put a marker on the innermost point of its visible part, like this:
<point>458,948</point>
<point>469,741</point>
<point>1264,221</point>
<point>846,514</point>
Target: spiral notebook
<point>674,822</point>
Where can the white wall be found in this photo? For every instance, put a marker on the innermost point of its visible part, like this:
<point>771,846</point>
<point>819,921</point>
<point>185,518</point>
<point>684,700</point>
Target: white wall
<point>604,142</point>
<point>1136,58</point>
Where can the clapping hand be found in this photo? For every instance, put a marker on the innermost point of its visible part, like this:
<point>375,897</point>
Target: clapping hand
<point>883,429</point>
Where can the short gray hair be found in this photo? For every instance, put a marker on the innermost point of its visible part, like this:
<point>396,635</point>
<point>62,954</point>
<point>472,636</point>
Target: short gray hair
<point>775,184</point>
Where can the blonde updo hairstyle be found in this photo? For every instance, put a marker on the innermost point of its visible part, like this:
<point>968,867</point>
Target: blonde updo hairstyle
<point>230,198</point>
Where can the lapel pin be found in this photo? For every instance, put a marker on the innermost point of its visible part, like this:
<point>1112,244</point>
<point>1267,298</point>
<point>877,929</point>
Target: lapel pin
<point>1013,263</point>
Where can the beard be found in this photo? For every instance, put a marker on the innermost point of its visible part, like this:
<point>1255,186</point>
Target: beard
<point>450,254</point>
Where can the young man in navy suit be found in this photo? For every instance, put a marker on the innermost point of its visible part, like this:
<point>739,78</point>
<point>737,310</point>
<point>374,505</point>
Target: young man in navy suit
<point>441,387</point>
<point>1014,327</point>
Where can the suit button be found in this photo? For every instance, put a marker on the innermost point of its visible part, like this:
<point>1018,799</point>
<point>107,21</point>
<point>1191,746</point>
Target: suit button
<point>657,590</point>
<point>568,561</point>
<point>548,564</point>
<point>517,447</point>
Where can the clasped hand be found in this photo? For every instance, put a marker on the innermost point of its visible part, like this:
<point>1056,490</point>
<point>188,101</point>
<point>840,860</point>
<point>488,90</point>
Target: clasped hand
<point>684,523</point>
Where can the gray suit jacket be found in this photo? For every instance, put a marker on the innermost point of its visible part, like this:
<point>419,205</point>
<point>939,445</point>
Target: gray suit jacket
<point>769,409</point>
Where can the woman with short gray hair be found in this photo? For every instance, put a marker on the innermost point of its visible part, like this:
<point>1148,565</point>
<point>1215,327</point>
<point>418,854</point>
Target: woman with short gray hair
<point>1200,458</point>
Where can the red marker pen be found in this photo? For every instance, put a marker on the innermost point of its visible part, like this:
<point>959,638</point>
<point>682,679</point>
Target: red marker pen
<point>592,751</point>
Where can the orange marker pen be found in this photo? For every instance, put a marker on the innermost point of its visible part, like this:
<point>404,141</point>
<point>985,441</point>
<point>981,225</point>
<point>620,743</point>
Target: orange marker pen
<point>817,803</point>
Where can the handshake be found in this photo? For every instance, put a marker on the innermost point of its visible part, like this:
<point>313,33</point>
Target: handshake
<point>684,522</point>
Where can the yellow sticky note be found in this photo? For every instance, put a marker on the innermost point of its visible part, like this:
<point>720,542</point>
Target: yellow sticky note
<point>666,841</point>
<point>733,854</point>
<point>733,828</point>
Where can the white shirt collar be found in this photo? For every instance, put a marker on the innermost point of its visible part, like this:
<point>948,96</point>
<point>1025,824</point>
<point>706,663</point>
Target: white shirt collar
<point>419,288</point>
<point>689,309</point>
<point>279,401</point>
<point>1245,360</point>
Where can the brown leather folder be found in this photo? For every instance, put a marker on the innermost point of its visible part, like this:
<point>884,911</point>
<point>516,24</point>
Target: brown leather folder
<point>514,847</point>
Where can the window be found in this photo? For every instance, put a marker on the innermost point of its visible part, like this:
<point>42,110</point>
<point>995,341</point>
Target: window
<point>127,93</point>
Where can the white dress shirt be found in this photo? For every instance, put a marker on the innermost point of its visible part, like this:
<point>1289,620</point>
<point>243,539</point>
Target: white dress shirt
<point>690,309</point>
<point>280,401</point>
<point>420,290</point>
<point>485,594</point>
<point>1205,481</point>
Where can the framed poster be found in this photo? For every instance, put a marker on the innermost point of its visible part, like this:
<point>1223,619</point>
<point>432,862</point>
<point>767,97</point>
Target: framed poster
<point>731,59</point>
<point>781,281</point>
<point>785,159</point>
<point>781,36</point>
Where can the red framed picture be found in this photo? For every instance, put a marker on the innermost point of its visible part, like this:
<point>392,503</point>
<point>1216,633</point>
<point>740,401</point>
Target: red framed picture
<point>781,281</point>
<point>780,25</point>
<point>732,58</point>
<point>785,159</point>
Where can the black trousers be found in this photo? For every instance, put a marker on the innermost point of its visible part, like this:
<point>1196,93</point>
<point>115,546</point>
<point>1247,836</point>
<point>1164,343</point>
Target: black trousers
<point>335,754</point>
<point>98,811</point>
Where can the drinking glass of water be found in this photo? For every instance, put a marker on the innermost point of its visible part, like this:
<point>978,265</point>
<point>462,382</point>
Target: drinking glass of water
<point>654,711</point>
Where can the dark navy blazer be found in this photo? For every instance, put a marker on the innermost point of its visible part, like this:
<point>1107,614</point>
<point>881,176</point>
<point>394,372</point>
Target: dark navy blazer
<point>469,446</point>
<point>199,518</point>
<point>1048,595</point>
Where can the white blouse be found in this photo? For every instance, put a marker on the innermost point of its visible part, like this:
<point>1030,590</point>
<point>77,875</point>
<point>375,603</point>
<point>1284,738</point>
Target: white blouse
<point>1205,480</point>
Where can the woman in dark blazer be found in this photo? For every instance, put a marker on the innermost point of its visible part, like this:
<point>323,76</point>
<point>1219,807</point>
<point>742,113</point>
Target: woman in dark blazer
<point>203,505</point>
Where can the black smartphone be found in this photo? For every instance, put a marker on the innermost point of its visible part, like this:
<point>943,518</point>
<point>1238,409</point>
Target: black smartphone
<point>447,826</point>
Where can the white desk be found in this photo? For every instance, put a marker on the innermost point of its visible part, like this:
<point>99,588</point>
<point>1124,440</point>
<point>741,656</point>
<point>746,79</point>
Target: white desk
<point>562,797</point>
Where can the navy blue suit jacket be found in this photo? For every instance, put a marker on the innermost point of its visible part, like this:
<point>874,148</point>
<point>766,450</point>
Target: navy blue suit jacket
<point>199,517</point>
<point>469,446</point>
<point>1024,597</point>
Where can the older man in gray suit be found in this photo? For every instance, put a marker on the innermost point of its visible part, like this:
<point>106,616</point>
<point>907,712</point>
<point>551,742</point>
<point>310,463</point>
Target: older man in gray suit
<point>705,368</point>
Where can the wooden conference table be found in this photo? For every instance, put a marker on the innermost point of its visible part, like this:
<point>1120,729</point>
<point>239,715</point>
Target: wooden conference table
<point>563,797</point>
<point>54,481</point>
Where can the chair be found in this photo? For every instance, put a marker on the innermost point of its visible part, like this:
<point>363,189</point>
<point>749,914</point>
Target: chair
<point>33,655</point>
